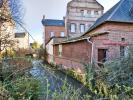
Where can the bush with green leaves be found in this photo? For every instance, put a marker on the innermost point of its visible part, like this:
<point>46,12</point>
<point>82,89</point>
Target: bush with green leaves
<point>23,88</point>
<point>113,80</point>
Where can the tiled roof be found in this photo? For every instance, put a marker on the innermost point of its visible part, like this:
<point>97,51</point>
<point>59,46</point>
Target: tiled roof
<point>52,22</point>
<point>121,12</point>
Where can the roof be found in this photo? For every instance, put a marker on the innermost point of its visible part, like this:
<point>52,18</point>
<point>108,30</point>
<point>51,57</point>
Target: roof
<point>52,22</point>
<point>121,12</point>
<point>71,40</point>
<point>76,39</point>
<point>20,35</point>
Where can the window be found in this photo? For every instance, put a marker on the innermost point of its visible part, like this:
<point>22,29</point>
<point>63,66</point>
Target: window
<point>96,12</point>
<point>89,12</point>
<point>82,28</point>
<point>60,50</point>
<point>73,28</point>
<point>102,55</point>
<point>122,48</point>
<point>123,39</point>
<point>85,12</point>
<point>82,12</point>
<point>62,34</point>
<point>52,34</point>
<point>122,51</point>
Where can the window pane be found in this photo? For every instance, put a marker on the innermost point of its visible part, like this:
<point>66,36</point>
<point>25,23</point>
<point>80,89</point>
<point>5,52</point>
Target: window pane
<point>82,28</point>
<point>122,51</point>
<point>73,28</point>
<point>82,12</point>
<point>89,12</point>
<point>62,34</point>
<point>52,34</point>
<point>96,12</point>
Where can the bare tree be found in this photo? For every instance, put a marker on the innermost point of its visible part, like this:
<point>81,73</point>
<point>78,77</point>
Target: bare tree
<point>9,17</point>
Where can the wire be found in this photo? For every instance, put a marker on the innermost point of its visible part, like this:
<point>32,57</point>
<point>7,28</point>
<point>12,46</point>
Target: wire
<point>25,30</point>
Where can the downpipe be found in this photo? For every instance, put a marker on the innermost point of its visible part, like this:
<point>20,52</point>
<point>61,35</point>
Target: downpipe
<point>92,48</point>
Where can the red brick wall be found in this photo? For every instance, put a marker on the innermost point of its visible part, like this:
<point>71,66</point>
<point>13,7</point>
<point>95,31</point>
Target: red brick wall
<point>116,32</point>
<point>56,29</point>
<point>73,54</point>
<point>112,26</point>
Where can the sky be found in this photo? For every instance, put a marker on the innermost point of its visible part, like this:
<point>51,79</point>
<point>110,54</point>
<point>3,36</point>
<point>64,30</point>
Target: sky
<point>52,9</point>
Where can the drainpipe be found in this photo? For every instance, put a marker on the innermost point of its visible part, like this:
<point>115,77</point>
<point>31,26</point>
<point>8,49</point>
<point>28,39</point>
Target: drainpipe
<point>92,49</point>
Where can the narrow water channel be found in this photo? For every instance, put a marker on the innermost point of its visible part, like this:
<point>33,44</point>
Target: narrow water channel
<point>54,79</point>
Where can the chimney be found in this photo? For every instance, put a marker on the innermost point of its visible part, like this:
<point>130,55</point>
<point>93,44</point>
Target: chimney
<point>43,16</point>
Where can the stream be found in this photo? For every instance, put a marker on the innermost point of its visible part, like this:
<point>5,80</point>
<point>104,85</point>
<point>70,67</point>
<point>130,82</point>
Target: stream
<point>53,80</point>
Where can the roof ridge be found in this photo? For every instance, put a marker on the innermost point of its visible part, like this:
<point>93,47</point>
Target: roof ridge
<point>120,2</point>
<point>54,19</point>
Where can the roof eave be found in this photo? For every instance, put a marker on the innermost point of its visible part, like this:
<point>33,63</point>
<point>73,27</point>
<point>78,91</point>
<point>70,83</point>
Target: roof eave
<point>72,41</point>
<point>104,23</point>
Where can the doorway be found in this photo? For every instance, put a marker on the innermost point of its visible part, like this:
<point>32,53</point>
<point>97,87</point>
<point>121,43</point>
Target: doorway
<point>102,55</point>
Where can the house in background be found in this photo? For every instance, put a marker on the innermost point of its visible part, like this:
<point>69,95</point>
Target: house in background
<point>107,39</point>
<point>53,28</point>
<point>80,15</point>
<point>22,40</point>
<point>54,31</point>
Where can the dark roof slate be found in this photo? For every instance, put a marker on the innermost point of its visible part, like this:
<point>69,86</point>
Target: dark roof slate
<point>52,22</point>
<point>121,12</point>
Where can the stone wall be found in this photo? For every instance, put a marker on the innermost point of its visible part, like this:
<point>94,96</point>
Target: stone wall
<point>82,12</point>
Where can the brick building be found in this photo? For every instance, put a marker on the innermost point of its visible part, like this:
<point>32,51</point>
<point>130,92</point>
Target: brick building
<point>80,15</point>
<point>108,38</point>
<point>53,28</point>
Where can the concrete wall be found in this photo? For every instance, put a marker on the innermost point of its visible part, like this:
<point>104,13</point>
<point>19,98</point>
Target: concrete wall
<point>23,42</point>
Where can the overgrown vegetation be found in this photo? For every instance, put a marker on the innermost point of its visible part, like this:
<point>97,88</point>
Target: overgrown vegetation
<point>113,80</point>
<point>16,83</point>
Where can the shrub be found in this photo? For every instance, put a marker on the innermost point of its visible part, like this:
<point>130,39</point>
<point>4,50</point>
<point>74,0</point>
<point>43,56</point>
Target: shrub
<point>114,79</point>
<point>23,88</point>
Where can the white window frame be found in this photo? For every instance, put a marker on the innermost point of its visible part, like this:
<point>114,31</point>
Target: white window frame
<point>89,12</point>
<point>82,28</point>
<point>62,34</point>
<point>52,34</point>
<point>96,12</point>
<point>73,27</point>
<point>82,12</point>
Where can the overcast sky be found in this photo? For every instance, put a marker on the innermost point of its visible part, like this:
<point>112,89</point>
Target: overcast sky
<point>52,9</point>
